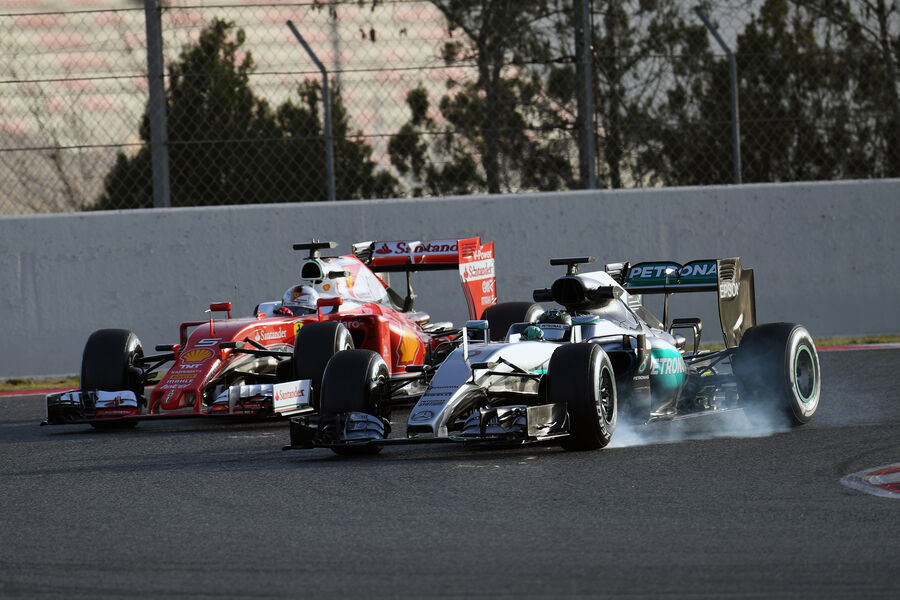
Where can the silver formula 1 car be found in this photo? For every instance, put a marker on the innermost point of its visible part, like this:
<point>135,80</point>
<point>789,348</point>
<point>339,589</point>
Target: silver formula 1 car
<point>523,374</point>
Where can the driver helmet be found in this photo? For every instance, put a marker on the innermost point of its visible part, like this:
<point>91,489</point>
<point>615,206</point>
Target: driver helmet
<point>555,324</point>
<point>555,316</point>
<point>303,296</point>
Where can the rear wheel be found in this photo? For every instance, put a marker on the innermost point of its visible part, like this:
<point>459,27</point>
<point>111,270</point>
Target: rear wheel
<point>581,376</point>
<point>777,371</point>
<point>314,346</point>
<point>501,316</point>
<point>111,362</point>
<point>356,381</point>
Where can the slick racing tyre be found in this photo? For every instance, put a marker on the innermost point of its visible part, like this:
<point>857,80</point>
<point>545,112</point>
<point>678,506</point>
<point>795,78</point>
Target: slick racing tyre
<point>581,376</point>
<point>777,371</point>
<point>314,346</point>
<point>110,362</point>
<point>501,316</point>
<point>356,381</point>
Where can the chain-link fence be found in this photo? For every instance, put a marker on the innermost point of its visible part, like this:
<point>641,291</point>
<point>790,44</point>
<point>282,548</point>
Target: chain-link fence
<point>436,97</point>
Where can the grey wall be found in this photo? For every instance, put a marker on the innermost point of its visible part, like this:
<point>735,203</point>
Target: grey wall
<point>824,254</point>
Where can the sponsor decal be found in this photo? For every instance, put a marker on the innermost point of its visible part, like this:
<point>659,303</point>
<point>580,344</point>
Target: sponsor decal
<point>180,376</point>
<point>437,396</point>
<point>197,355</point>
<point>431,401</point>
<point>698,269</point>
<point>488,285</point>
<point>652,272</point>
<point>177,385</point>
<point>878,481</point>
<point>704,271</point>
<point>290,395</point>
<point>270,335</point>
<point>424,415</point>
<point>186,368</point>
<point>417,248</point>
<point>729,289</point>
<point>113,402</point>
<point>478,254</point>
<point>408,348</point>
<point>667,366</point>
<point>475,271</point>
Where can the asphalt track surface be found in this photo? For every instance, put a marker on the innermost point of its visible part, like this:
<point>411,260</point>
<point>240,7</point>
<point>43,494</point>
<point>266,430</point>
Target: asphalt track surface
<point>197,510</point>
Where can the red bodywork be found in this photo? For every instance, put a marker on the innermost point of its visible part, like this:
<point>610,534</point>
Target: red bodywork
<point>196,375</point>
<point>392,334</point>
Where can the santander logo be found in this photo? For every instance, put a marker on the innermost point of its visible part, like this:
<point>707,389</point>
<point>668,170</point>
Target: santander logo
<point>404,248</point>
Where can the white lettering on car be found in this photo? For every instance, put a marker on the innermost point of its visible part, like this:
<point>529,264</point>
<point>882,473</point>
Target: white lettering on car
<point>729,289</point>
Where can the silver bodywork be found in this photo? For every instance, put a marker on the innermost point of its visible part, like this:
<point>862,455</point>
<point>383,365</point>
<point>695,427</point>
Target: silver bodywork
<point>510,390</point>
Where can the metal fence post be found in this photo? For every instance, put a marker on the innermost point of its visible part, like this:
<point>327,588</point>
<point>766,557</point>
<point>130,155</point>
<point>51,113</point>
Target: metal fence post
<point>735,119</point>
<point>156,110</point>
<point>584,79</point>
<point>326,100</point>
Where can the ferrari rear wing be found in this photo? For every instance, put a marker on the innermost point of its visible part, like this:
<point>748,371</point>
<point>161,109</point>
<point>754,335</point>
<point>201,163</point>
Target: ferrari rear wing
<point>725,276</point>
<point>473,260</point>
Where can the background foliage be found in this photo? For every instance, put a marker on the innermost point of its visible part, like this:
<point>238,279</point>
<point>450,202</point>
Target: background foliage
<point>440,97</point>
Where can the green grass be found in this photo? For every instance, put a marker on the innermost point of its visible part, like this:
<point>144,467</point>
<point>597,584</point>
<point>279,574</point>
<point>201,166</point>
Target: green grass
<point>14,384</point>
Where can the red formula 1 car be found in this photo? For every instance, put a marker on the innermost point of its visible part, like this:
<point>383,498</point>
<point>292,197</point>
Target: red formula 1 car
<point>271,364</point>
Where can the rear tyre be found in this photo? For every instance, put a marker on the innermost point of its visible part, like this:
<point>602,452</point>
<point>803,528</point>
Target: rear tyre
<point>314,346</point>
<point>581,375</point>
<point>777,371</point>
<point>501,316</point>
<point>111,362</point>
<point>356,381</point>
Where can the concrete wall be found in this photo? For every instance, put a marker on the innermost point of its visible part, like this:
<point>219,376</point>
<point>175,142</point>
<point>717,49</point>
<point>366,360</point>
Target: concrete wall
<point>824,254</point>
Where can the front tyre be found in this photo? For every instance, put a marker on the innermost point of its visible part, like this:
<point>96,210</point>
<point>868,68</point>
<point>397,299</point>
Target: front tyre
<point>581,376</point>
<point>356,381</point>
<point>111,362</point>
<point>777,369</point>
<point>314,346</point>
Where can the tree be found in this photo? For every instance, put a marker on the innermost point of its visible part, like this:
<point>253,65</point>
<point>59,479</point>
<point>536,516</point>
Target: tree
<point>796,91</point>
<point>869,34</point>
<point>500,131</point>
<point>226,146</point>
<point>641,49</point>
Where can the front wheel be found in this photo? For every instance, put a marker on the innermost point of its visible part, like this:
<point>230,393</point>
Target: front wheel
<point>111,363</point>
<point>314,346</point>
<point>777,370</point>
<point>581,376</point>
<point>356,381</point>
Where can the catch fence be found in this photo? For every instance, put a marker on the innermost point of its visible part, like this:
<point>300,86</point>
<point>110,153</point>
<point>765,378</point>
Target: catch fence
<point>434,98</point>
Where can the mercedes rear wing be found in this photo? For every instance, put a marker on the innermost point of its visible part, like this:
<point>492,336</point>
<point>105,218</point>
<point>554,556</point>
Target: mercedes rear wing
<point>725,276</point>
<point>473,260</point>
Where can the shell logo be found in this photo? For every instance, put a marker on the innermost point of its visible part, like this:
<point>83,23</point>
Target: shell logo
<point>197,355</point>
<point>408,348</point>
